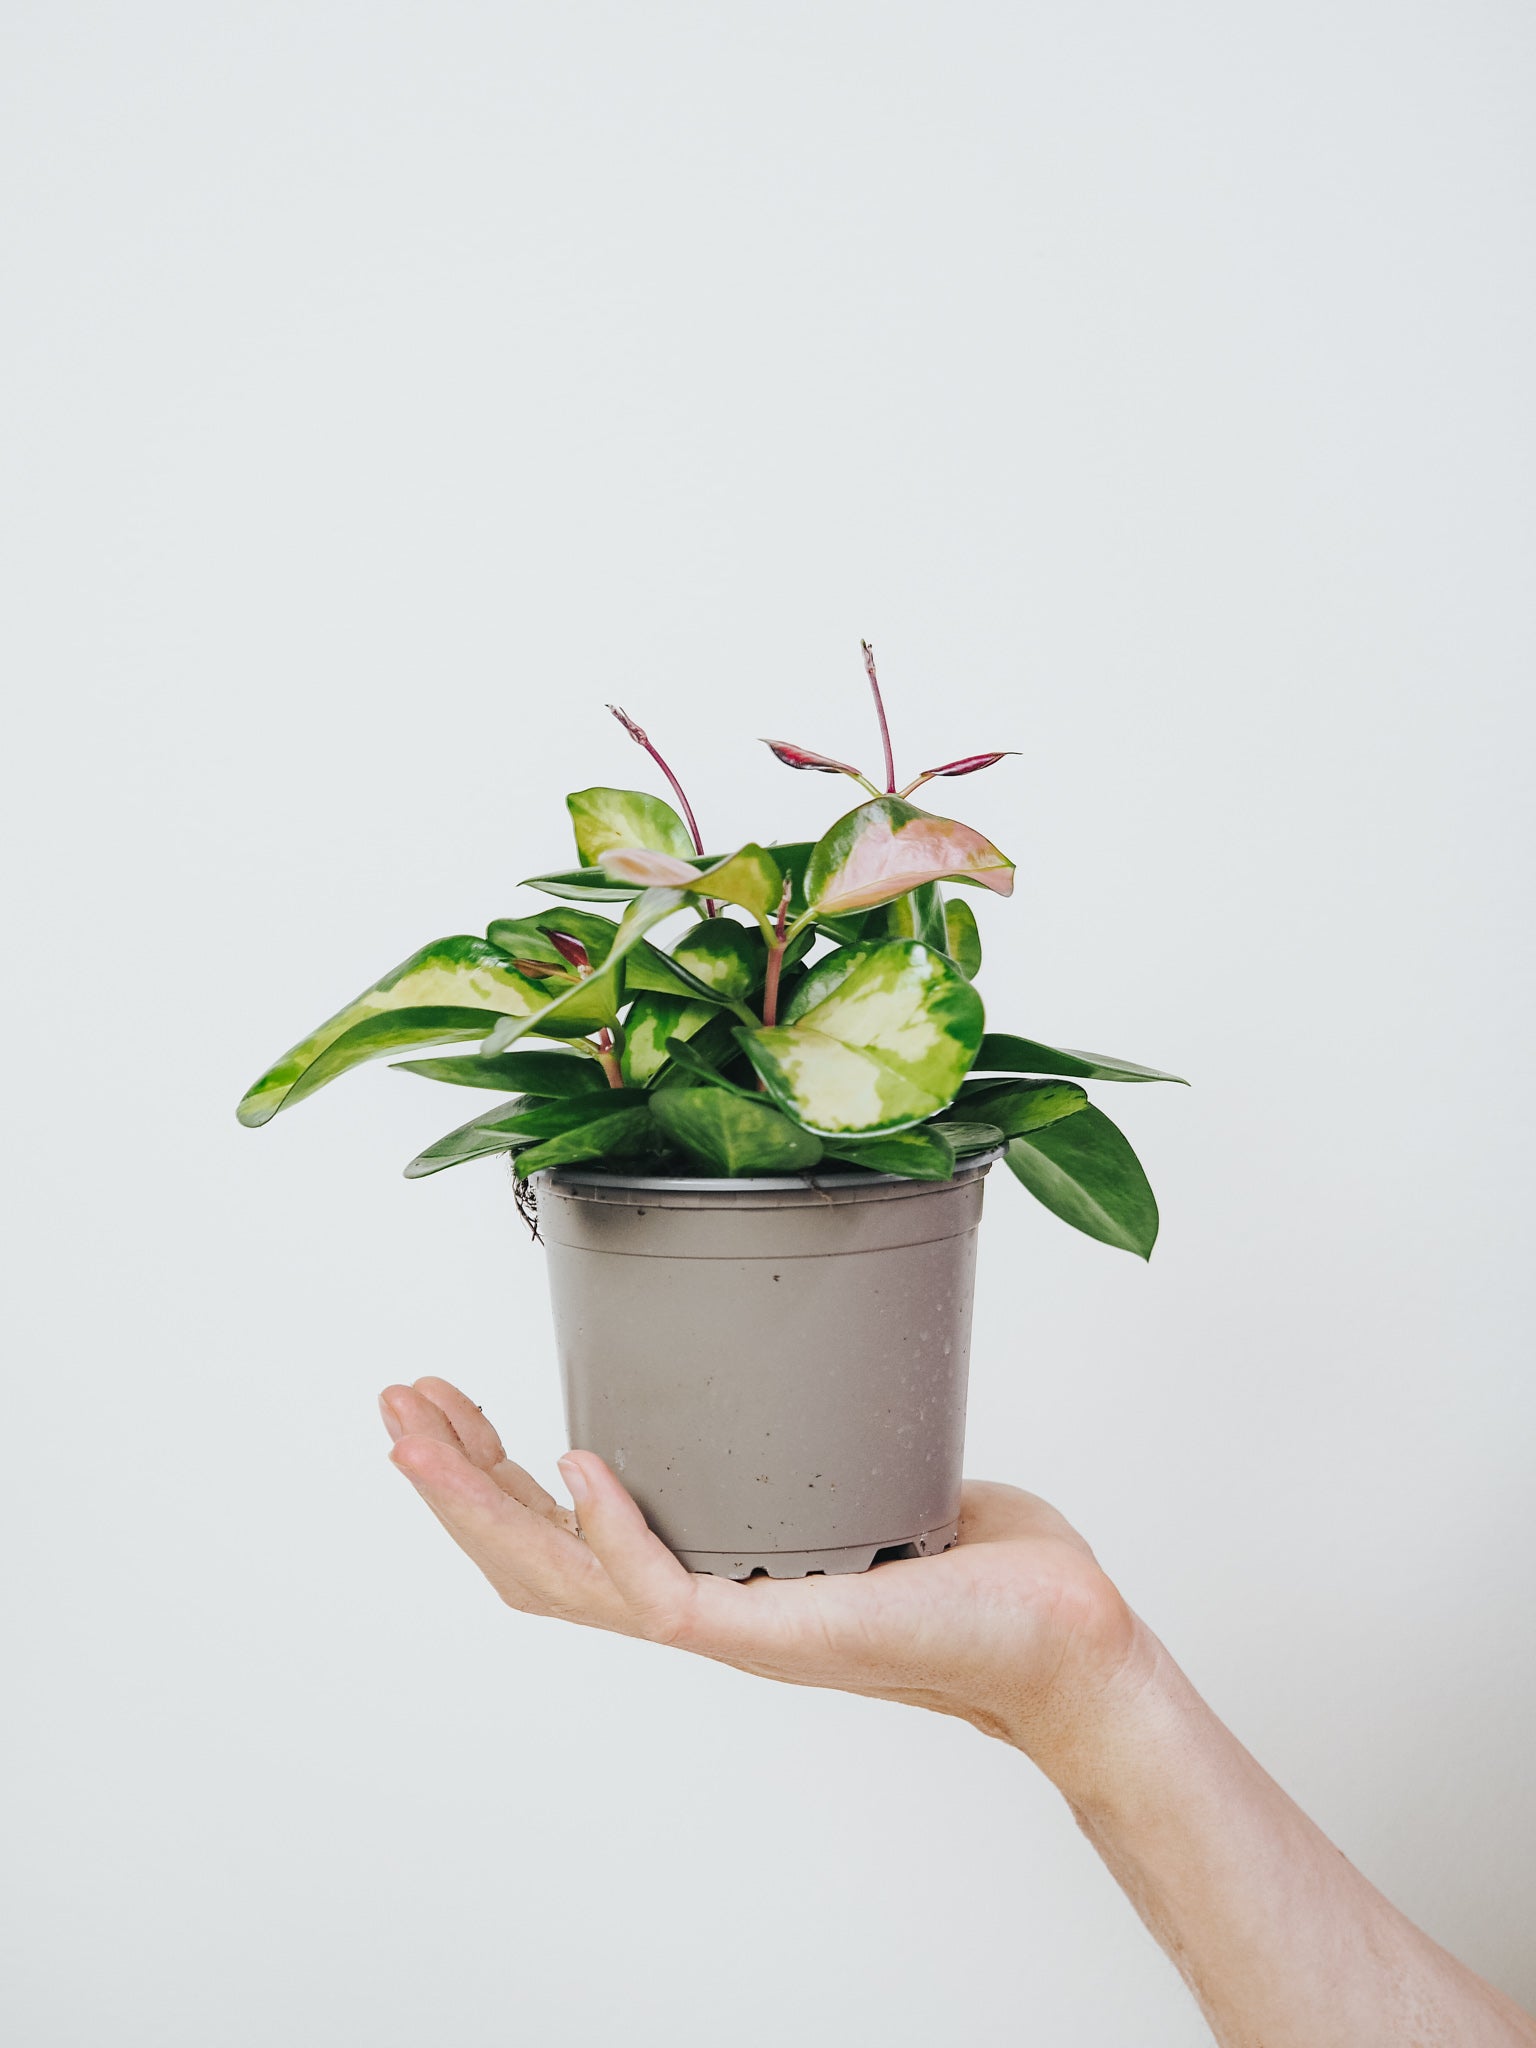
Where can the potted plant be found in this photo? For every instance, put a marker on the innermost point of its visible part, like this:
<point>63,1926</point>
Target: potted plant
<point>755,1152</point>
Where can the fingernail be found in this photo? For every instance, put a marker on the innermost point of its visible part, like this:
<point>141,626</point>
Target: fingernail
<point>575,1480</point>
<point>392,1421</point>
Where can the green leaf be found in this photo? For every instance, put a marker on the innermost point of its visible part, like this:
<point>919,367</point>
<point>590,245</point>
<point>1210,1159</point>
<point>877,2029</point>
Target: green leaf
<point>925,1154</point>
<point>829,973</point>
<point>650,909</point>
<point>888,846</point>
<point>532,1073</point>
<point>524,1120</point>
<point>605,818</point>
<point>749,877</point>
<point>528,937</point>
<point>962,938</point>
<point>732,1133</point>
<point>624,1136</point>
<point>1083,1170</point>
<point>917,915</point>
<point>696,1063</point>
<point>966,1137</point>
<point>470,985</point>
<point>651,1021</point>
<point>728,959</point>
<point>584,885</point>
<point>1016,1107</point>
<point>1002,1053</point>
<point>702,1055</point>
<point>886,1046</point>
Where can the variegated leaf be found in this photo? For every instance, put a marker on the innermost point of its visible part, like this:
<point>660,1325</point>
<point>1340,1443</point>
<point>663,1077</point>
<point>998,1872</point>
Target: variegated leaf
<point>651,1021</point>
<point>878,1048</point>
<point>733,1133</point>
<point>888,846</point>
<point>962,939</point>
<point>750,877</point>
<point>917,915</point>
<point>626,1136</point>
<point>525,1120</point>
<point>1085,1172</point>
<point>727,958</point>
<point>605,818</point>
<point>466,984</point>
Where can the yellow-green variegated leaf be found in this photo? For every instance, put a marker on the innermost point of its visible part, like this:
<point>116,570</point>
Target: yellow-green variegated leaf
<point>888,846</point>
<point>464,986</point>
<point>651,1021</point>
<point>887,1046</point>
<point>917,915</point>
<point>605,818</point>
<point>625,1136</point>
<point>646,911</point>
<point>962,939</point>
<point>728,959</point>
<point>731,1133</point>
<point>750,877</point>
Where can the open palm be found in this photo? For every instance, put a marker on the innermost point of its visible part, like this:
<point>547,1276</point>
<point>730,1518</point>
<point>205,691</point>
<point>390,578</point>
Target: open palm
<point>1015,1629</point>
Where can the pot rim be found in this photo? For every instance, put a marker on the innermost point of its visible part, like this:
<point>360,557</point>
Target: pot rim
<point>744,1184</point>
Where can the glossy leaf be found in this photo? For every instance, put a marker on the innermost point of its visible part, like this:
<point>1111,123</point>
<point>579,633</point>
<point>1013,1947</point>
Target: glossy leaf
<point>727,958</point>
<point>967,764</point>
<point>732,1133</point>
<point>962,939</point>
<point>917,915</point>
<point>470,985</point>
<point>530,1073</point>
<point>651,1021</point>
<point>624,1136</point>
<point>1016,1107</point>
<point>525,1120</point>
<point>537,937</point>
<point>749,877</point>
<point>1085,1172</point>
<point>968,1137</point>
<point>1000,1052</point>
<point>924,1154</point>
<point>881,1048</point>
<point>605,818</point>
<point>889,846</point>
<point>806,757</point>
<point>650,909</point>
<point>648,969</point>
<point>697,1062</point>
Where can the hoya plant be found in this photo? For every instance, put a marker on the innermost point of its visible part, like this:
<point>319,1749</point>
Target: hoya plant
<point>808,1008</point>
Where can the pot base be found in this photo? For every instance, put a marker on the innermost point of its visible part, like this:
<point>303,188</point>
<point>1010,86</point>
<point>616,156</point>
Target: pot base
<point>805,1564</point>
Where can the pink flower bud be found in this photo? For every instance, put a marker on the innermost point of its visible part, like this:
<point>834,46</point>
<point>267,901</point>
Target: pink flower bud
<point>570,949</point>
<point>803,757</point>
<point>968,764</point>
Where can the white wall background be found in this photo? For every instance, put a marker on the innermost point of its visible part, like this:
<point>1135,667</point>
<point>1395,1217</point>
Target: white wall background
<point>387,387</point>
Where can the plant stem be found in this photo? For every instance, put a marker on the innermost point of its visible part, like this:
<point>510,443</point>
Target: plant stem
<point>885,731</point>
<point>775,961</point>
<point>608,1059</point>
<point>642,739</point>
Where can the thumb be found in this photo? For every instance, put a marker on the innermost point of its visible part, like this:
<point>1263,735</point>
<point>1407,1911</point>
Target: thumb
<point>658,1592</point>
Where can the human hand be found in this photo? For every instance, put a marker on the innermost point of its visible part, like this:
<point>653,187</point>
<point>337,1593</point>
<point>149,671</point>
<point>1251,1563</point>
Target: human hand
<point>1016,1629</point>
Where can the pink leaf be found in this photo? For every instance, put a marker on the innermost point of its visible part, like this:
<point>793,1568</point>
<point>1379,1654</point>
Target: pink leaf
<point>803,757</point>
<point>651,870</point>
<point>968,764</point>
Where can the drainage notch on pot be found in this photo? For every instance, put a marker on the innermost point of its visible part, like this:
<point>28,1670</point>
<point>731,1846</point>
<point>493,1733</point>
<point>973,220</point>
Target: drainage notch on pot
<point>776,1369</point>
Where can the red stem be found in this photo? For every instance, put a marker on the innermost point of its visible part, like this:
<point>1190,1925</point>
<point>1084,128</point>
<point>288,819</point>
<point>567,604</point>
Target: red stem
<point>775,961</point>
<point>606,1059</point>
<point>885,731</point>
<point>641,739</point>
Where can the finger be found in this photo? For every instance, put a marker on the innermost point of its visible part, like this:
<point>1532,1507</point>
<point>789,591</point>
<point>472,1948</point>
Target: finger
<point>483,1447</point>
<point>407,1413</point>
<point>531,1563</point>
<point>658,1592</point>
<point>481,1443</point>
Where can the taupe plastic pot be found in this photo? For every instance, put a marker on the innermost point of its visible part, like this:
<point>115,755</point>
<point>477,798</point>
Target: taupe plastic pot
<point>776,1369</point>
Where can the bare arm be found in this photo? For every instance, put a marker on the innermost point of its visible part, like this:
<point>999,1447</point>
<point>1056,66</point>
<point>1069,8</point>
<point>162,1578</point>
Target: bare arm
<point>1018,1631</point>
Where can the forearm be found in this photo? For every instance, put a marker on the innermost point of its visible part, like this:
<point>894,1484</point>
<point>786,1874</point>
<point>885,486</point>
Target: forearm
<point>1280,1938</point>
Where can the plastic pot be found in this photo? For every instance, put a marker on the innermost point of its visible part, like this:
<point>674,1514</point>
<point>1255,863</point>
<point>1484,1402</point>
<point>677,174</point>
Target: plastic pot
<point>776,1369</point>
